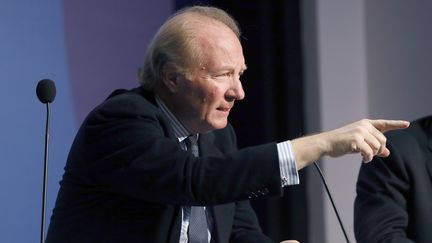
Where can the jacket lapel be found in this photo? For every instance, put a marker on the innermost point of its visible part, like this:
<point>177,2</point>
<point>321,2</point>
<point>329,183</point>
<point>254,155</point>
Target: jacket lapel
<point>176,227</point>
<point>223,215</point>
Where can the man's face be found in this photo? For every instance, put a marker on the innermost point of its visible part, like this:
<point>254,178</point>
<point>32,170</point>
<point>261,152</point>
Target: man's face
<point>207,95</point>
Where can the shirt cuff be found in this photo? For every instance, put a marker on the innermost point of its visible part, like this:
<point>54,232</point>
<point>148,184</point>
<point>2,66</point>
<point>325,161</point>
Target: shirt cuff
<point>287,164</point>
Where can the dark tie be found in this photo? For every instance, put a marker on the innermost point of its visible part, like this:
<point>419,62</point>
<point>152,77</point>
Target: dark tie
<point>197,232</point>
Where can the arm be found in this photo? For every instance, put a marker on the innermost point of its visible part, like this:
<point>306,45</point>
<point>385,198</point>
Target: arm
<point>364,137</point>
<point>124,148</point>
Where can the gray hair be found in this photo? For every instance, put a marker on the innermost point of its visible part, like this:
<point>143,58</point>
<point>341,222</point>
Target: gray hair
<point>173,43</point>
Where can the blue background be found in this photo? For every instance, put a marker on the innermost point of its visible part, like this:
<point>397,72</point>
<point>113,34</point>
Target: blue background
<point>88,48</point>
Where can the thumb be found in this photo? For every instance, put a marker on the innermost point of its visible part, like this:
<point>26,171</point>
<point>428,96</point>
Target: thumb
<point>290,241</point>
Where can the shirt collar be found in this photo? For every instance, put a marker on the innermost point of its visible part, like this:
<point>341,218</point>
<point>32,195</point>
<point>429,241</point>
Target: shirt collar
<point>179,130</point>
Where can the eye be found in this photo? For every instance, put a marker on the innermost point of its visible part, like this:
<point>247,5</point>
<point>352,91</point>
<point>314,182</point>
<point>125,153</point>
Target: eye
<point>227,74</point>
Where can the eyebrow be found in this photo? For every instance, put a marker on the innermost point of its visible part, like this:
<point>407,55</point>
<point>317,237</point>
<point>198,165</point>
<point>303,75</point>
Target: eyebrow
<point>225,68</point>
<point>242,69</point>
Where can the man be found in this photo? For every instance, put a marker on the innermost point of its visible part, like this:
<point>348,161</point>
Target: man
<point>159,163</point>
<point>394,194</point>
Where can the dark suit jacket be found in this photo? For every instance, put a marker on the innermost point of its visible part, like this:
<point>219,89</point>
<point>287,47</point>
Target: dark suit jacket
<point>394,194</point>
<point>126,178</point>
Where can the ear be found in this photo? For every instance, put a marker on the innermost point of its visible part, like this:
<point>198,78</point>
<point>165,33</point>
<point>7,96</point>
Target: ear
<point>170,77</point>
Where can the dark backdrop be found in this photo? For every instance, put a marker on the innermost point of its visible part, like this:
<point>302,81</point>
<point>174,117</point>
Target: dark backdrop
<point>273,108</point>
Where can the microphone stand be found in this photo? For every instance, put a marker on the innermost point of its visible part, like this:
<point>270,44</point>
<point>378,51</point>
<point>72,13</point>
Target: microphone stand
<point>42,237</point>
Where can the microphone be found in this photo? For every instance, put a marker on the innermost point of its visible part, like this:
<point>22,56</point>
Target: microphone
<point>46,92</point>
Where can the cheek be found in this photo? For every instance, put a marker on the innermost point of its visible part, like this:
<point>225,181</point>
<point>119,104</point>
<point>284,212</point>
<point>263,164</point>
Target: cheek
<point>213,96</point>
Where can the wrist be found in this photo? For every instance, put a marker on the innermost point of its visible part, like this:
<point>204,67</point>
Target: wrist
<point>323,143</point>
<point>310,148</point>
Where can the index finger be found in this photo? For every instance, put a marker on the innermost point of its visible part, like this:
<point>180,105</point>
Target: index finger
<point>387,125</point>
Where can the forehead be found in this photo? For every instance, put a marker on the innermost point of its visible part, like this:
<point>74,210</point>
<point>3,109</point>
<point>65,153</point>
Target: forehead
<point>210,42</point>
<point>218,45</point>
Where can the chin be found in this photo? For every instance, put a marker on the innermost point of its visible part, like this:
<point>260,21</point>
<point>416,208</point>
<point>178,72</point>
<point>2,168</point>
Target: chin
<point>219,125</point>
<point>211,125</point>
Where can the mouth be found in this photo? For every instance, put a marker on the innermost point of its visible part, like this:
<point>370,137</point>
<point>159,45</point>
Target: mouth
<point>224,109</point>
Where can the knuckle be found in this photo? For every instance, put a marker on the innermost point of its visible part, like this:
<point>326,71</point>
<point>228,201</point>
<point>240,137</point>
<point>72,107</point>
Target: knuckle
<point>353,147</point>
<point>362,130</point>
<point>364,121</point>
<point>358,138</point>
<point>381,149</point>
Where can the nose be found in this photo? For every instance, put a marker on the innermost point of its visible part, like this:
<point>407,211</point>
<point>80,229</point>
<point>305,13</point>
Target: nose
<point>236,91</point>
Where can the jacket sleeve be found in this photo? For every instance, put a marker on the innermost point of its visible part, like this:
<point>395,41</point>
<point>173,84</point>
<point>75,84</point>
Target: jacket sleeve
<point>125,147</point>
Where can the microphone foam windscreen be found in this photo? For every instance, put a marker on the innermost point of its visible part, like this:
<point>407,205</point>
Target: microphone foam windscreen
<point>46,91</point>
